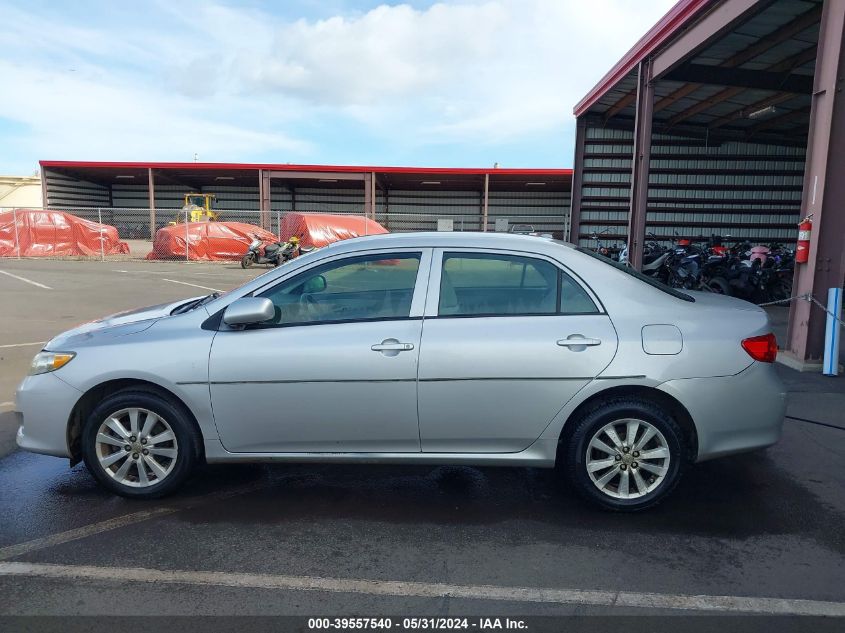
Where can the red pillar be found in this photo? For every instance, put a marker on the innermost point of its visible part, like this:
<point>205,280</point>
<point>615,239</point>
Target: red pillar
<point>152,194</point>
<point>264,198</point>
<point>640,166</point>
<point>824,193</point>
<point>577,181</point>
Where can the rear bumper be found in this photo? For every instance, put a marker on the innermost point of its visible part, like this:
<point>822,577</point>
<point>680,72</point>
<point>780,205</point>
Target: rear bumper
<point>43,406</point>
<point>733,414</point>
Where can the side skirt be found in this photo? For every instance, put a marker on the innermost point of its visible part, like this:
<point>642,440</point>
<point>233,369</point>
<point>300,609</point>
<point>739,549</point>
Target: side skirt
<point>541,454</point>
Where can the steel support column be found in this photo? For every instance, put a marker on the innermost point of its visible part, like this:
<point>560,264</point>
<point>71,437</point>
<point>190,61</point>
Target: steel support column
<point>373,192</point>
<point>824,192</point>
<point>264,198</point>
<point>152,201</point>
<point>44,201</point>
<point>485,202</point>
<point>577,181</point>
<point>640,166</point>
<point>369,197</point>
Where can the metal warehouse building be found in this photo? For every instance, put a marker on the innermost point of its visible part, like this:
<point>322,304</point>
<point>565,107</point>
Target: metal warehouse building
<point>139,198</point>
<point>727,117</point>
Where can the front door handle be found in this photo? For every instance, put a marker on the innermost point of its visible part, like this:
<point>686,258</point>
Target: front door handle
<point>391,347</point>
<point>577,342</point>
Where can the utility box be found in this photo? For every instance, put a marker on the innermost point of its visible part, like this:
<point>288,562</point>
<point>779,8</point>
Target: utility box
<point>445,224</point>
<point>502,225</point>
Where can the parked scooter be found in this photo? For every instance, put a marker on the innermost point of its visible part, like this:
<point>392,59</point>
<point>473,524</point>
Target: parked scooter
<point>258,253</point>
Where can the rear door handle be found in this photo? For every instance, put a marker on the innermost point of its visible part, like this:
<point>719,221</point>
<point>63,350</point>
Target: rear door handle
<point>577,340</point>
<point>391,347</point>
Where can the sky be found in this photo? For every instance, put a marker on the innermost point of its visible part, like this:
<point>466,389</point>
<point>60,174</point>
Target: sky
<point>467,83</point>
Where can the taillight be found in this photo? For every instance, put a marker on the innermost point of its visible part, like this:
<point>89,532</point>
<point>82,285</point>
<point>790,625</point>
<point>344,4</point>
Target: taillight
<point>763,348</point>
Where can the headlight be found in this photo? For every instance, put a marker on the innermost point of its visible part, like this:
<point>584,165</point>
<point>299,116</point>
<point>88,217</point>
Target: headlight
<point>45,362</point>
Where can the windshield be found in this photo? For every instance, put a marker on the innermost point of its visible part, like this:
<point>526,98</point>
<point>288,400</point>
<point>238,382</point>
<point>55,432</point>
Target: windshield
<point>651,281</point>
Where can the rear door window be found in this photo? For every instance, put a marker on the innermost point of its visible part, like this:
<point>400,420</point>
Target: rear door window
<point>493,284</point>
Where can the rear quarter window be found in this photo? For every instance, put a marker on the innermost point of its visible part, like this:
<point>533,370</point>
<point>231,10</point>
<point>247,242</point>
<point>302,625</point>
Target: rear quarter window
<point>651,281</point>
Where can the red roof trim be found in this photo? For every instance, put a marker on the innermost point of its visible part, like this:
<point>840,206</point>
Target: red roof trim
<point>309,168</point>
<point>658,35</point>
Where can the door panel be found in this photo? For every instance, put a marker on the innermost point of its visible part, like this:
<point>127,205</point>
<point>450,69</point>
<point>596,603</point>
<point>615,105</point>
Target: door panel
<point>493,384</point>
<point>335,369</point>
<point>317,388</point>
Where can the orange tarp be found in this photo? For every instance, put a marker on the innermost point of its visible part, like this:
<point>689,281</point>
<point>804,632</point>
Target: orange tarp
<point>210,241</point>
<point>321,229</point>
<point>55,234</point>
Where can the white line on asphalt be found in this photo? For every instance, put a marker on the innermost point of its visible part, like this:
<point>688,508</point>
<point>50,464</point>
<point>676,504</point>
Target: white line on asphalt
<point>723,604</point>
<point>22,344</point>
<point>7,404</point>
<point>24,279</point>
<point>10,551</point>
<point>185,283</point>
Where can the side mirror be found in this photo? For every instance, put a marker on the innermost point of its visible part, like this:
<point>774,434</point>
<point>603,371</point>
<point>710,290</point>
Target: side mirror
<point>249,310</point>
<point>315,284</point>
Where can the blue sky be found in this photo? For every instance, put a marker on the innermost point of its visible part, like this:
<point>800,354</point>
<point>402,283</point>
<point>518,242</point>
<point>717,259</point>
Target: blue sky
<point>465,83</point>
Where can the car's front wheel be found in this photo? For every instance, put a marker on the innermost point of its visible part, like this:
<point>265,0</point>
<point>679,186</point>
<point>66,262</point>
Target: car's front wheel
<point>138,444</point>
<point>626,454</point>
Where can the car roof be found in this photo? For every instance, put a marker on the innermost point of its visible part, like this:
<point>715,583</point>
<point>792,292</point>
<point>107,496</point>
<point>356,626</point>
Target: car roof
<point>465,239</point>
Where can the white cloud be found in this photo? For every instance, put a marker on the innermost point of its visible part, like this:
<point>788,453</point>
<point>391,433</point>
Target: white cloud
<point>235,83</point>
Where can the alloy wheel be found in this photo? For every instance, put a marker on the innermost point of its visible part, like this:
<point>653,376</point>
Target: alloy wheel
<point>627,458</point>
<point>136,447</point>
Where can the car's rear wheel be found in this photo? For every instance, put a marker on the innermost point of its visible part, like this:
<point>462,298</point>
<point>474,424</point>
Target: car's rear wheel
<point>247,260</point>
<point>138,444</point>
<point>625,454</point>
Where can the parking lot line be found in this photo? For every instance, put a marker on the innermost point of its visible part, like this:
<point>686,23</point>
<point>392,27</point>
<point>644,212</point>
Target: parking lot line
<point>718,604</point>
<point>24,279</point>
<point>10,551</point>
<point>22,344</point>
<point>185,283</point>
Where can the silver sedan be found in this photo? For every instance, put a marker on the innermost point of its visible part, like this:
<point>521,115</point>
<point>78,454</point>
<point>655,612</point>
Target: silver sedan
<point>427,348</point>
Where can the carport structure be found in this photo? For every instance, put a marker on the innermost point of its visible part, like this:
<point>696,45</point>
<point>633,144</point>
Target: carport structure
<point>400,198</point>
<point>727,117</point>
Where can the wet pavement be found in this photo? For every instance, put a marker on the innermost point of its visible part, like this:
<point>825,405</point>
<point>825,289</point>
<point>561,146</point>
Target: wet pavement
<point>767,524</point>
<point>764,524</point>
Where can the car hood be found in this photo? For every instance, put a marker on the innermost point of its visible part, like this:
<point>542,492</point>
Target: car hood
<point>114,325</point>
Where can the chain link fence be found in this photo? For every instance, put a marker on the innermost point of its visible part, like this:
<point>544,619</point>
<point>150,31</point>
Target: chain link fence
<point>114,233</point>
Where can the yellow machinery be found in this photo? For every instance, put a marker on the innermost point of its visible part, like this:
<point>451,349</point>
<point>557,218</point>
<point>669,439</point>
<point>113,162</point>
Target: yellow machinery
<point>197,208</point>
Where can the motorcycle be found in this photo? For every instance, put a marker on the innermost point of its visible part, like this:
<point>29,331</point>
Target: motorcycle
<point>276,253</point>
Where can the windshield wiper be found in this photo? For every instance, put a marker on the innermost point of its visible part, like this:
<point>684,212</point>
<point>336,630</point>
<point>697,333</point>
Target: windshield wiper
<point>196,303</point>
<point>206,299</point>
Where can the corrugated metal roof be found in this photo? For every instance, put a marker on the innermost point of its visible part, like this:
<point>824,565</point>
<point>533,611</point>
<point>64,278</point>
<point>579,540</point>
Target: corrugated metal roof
<point>480,171</point>
<point>790,43</point>
<point>664,31</point>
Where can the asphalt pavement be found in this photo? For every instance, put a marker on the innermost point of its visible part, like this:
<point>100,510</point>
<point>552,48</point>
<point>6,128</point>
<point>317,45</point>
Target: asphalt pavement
<point>755,533</point>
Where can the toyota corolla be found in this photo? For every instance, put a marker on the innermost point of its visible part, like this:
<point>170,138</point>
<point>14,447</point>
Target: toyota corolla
<point>427,348</point>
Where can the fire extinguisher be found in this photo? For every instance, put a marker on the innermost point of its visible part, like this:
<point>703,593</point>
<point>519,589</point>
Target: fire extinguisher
<point>802,251</point>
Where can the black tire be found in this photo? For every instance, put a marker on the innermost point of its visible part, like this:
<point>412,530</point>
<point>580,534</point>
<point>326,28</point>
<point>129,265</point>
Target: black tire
<point>719,286</point>
<point>247,261</point>
<point>188,440</point>
<point>574,451</point>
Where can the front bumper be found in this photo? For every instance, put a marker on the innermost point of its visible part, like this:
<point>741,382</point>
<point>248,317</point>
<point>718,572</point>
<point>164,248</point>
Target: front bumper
<point>43,406</point>
<point>733,414</point>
